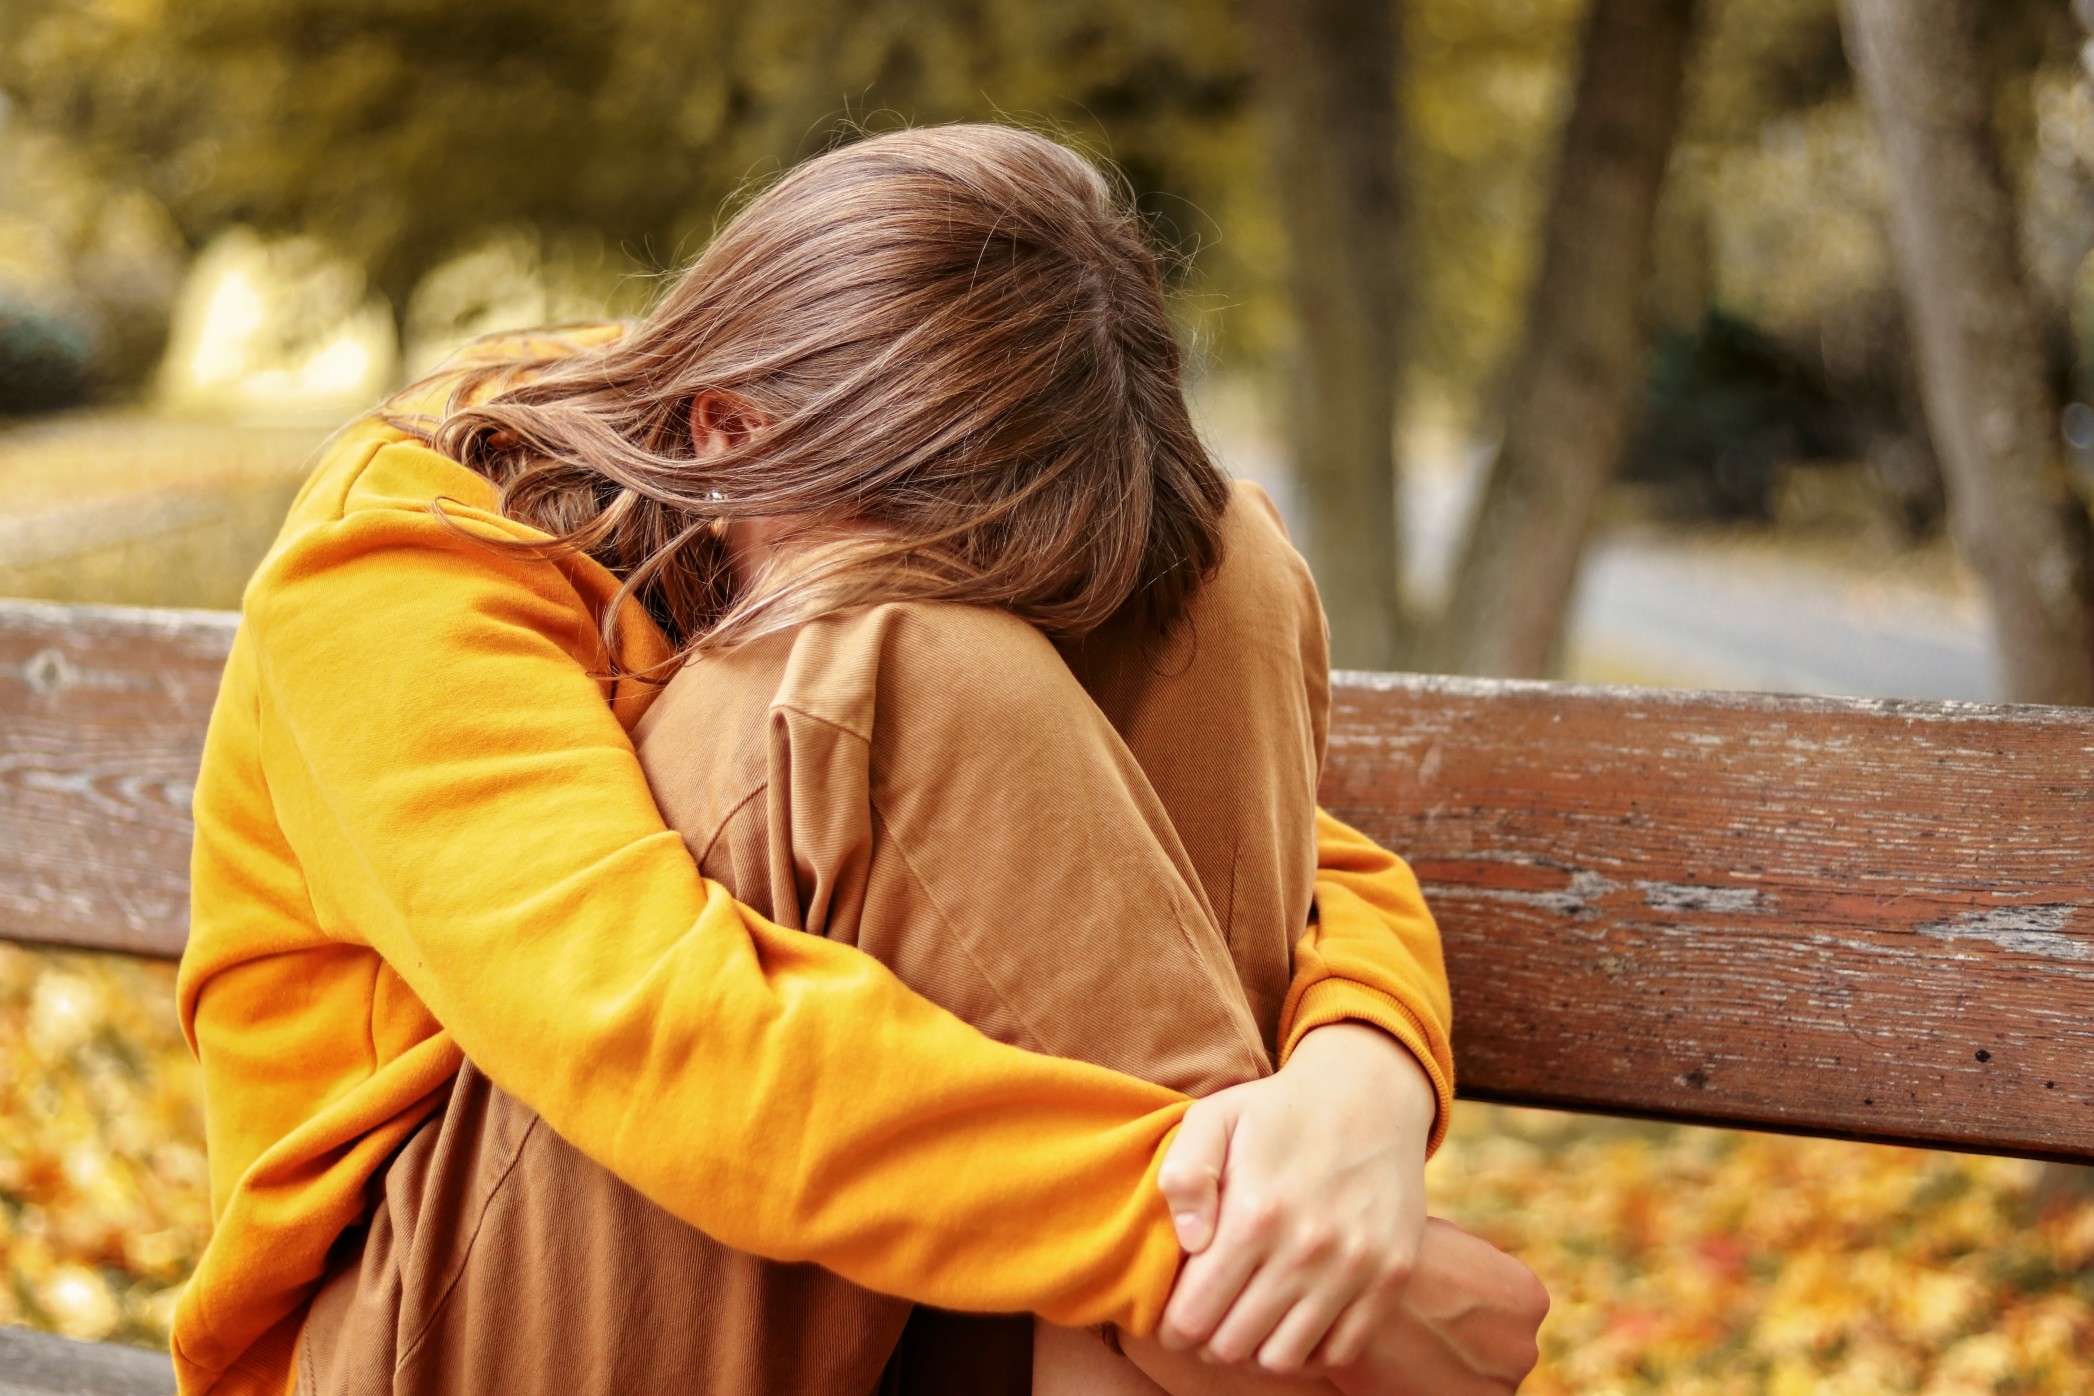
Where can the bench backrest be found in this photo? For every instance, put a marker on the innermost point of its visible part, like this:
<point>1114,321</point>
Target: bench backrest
<point>1844,917</point>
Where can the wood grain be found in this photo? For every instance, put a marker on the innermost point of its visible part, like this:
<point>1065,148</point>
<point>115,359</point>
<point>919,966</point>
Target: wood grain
<point>102,714</point>
<point>1851,917</point>
<point>1859,918</point>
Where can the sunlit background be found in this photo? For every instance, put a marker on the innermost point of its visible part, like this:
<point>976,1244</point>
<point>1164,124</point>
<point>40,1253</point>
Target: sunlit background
<point>226,225</point>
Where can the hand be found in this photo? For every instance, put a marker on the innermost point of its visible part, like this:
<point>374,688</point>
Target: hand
<point>1320,1176</point>
<point>1466,1327</point>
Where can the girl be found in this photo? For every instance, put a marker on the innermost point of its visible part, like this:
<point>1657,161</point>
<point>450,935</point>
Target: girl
<point>429,867</point>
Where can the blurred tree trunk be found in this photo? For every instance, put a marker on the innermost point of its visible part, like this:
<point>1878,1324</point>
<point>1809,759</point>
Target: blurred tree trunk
<point>1329,70</point>
<point>1580,375</point>
<point>1983,377</point>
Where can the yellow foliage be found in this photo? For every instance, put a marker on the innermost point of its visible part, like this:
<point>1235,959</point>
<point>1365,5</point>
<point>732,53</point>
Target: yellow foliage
<point>1691,1262</point>
<point>103,1203</point>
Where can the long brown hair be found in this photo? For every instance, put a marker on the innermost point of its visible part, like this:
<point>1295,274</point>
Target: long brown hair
<point>957,340</point>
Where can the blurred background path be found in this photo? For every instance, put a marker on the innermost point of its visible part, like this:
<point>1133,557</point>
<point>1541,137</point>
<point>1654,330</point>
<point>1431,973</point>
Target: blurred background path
<point>1826,607</point>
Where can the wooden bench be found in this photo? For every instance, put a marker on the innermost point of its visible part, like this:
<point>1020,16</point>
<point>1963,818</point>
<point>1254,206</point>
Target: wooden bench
<point>1862,919</point>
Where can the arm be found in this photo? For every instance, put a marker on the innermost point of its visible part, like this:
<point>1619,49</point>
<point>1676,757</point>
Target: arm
<point>1372,955</point>
<point>1432,1309</point>
<point>1321,1167</point>
<point>463,800</point>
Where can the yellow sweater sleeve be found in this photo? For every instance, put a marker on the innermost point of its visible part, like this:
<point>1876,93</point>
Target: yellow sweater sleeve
<point>460,798</point>
<point>1373,955</point>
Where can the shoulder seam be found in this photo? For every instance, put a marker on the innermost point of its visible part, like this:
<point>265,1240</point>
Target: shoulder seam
<point>864,738</point>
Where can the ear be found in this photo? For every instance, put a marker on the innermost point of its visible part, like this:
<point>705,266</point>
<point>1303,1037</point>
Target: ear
<point>721,421</point>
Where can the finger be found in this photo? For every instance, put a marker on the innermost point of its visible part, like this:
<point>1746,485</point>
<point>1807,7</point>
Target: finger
<point>1271,1291</point>
<point>1322,1274</point>
<point>1374,1304</point>
<point>1192,1170</point>
<point>1346,1341</point>
<point>1209,1282</point>
<point>1207,1286</point>
<point>1301,1330</point>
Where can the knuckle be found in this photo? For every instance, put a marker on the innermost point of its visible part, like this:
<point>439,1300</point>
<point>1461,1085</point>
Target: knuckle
<point>1533,1299</point>
<point>1187,1177</point>
<point>1508,1368</point>
<point>1355,1261</point>
<point>1316,1241</point>
<point>1282,1362</point>
<point>1383,1277</point>
<point>1261,1215</point>
<point>1396,1272</point>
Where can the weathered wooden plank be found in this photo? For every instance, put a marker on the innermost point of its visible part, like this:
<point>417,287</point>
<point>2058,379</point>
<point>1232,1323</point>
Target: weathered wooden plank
<point>102,713</point>
<point>1835,916</point>
<point>41,1364</point>
<point>1841,917</point>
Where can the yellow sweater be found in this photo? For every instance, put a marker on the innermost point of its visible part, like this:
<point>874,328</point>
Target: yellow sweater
<point>423,835</point>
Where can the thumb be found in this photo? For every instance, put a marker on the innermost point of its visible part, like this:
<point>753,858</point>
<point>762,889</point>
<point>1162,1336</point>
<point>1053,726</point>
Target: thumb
<point>1192,1170</point>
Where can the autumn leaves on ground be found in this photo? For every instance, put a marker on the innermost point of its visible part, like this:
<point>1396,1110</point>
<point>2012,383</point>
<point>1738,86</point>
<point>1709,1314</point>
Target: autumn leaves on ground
<point>1680,1260</point>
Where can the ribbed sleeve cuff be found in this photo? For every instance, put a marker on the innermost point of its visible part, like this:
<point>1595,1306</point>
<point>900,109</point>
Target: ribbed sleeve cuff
<point>1344,1001</point>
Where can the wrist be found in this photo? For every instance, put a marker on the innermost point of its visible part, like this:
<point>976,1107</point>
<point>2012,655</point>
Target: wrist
<point>1363,1054</point>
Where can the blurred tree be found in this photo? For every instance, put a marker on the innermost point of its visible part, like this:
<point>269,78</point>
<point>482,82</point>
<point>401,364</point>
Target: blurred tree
<point>1485,88</point>
<point>1983,375</point>
<point>388,127</point>
<point>1330,72</point>
<point>1776,215</point>
<point>1726,407</point>
<point>44,363</point>
<point>405,133</point>
<point>409,133</point>
<point>99,259</point>
<point>1581,373</point>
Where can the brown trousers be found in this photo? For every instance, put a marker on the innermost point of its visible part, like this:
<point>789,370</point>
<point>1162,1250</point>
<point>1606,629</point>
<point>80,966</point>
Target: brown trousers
<point>1105,853</point>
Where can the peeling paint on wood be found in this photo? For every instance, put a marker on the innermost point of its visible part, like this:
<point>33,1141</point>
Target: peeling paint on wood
<point>1685,896</point>
<point>1791,912</point>
<point>2030,930</point>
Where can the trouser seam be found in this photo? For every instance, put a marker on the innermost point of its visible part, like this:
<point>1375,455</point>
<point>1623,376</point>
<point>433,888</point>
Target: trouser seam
<point>465,1258</point>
